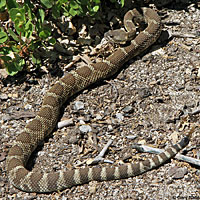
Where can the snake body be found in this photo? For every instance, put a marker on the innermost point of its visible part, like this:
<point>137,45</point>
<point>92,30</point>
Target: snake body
<point>46,119</point>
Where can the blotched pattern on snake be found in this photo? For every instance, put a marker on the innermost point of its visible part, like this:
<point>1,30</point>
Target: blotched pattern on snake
<point>46,119</point>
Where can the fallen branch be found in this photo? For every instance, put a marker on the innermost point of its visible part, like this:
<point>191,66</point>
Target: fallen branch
<point>182,35</point>
<point>64,123</point>
<point>147,149</point>
<point>100,156</point>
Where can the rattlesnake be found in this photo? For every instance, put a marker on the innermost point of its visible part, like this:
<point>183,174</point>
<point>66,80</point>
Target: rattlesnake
<point>45,121</point>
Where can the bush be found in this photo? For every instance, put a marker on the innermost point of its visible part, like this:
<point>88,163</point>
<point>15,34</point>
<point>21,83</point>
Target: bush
<point>31,30</point>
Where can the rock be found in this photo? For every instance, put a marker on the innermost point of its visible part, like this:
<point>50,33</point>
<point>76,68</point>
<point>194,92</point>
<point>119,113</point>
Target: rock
<point>110,128</point>
<point>78,105</point>
<point>120,117</point>
<point>28,107</point>
<point>128,109</point>
<point>177,173</point>
<point>3,96</point>
<point>180,173</point>
<point>98,117</point>
<point>85,128</point>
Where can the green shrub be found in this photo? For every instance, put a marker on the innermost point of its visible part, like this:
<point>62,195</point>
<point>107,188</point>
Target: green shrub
<point>30,30</point>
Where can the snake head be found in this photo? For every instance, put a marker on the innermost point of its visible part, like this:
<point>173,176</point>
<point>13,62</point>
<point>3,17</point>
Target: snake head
<point>118,36</point>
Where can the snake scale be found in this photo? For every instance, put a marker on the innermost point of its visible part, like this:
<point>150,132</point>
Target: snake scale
<point>46,119</point>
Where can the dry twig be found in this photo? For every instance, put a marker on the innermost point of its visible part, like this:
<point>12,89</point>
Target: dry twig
<point>147,149</point>
<point>100,156</point>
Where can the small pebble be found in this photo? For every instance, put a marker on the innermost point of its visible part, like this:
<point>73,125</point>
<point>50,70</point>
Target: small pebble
<point>110,128</point>
<point>128,109</point>
<point>120,117</point>
<point>78,105</point>
<point>3,96</point>
<point>28,106</point>
<point>85,128</point>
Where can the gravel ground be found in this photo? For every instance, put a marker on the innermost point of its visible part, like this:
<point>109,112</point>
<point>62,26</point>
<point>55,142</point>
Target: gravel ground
<point>153,100</point>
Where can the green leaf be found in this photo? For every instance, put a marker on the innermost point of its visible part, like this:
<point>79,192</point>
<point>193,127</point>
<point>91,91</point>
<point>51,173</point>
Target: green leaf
<point>13,35</point>
<point>97,1</point>
<point>35,60</point>
<point>29,26</point>
<point>122,3</point>
<point>3,37</point>
<point>6,58</point>
<point>12,4</point>
<point>72,12</point>
<point>29,29</point>
<point>17,13</point>
<point>18,17</point>
<point>2,3</point>
<point>56,12</point>
<point>95,8</point>
<point>14,67</point>
<point>28,6</point>
<point>52,41</point>
<point>44,34</point>
<point>15,49</point>
<point>47,3</point>
<point>19,25</point>
<point>74,5</point>
<point>42,15</point>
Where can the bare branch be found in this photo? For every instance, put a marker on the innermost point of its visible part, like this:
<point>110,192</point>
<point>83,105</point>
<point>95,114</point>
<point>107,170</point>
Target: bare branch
<point>144,149</point>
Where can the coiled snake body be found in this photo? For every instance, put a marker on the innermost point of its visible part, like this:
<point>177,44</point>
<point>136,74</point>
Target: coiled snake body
<point>45,121</point>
